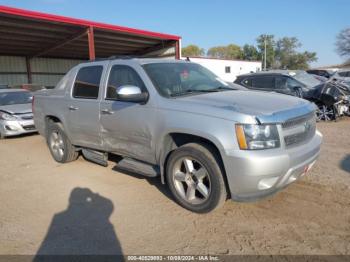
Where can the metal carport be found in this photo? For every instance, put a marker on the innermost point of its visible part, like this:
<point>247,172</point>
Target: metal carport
<point>33,34</point>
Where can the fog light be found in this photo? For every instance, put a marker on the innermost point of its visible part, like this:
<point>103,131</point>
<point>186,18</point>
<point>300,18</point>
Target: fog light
<point>11,128</point>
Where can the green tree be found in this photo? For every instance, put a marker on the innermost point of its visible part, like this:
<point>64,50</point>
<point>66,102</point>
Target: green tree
<point>192,50</point>
<point>250,53</point>
<point>283,53</point>
<point>287,56</point>
<point>270,49</point>
<point>343,43</point>
<point>231,51</point>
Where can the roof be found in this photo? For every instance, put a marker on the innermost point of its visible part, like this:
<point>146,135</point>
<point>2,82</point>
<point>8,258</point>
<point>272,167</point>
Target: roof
<point>224,59</point>
<point>275,72</point>
<point>31,34</point>
<point>141,61</point>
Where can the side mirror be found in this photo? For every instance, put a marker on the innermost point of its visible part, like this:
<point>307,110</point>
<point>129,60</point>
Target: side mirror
<point>130,93</point>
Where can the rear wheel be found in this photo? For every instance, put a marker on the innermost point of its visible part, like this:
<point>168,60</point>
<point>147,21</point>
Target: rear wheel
<point>195,178</point>
<point>60,147</point>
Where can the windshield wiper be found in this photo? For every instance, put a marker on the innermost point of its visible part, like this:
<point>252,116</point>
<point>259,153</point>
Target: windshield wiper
<point>221,88</point>
<point>189,91</point>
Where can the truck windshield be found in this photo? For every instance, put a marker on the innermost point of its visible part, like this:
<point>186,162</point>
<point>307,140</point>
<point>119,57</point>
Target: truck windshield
<point>14,98</point>
<point>179,79</point>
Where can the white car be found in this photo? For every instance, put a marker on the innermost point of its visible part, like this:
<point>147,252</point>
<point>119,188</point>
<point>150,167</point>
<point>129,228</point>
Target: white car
<point>342,75</point>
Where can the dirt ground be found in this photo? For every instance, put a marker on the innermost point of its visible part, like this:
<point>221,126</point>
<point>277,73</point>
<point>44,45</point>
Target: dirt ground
<point>83,208</point>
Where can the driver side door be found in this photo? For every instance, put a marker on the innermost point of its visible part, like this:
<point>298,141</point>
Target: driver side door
<point>127,126</point>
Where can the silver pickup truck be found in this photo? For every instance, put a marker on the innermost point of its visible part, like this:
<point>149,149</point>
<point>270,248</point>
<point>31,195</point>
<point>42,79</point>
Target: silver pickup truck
<point>206,140</point>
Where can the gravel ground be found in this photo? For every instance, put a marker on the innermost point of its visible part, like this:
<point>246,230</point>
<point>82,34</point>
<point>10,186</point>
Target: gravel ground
<point>83,208</point>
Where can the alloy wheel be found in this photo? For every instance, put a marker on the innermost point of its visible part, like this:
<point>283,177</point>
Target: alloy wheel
<point>57,145</point>
<point>191,180</point>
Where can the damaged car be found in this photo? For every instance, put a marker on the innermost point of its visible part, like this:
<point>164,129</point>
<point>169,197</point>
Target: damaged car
<point>16,116</point>
<point>331,97</point>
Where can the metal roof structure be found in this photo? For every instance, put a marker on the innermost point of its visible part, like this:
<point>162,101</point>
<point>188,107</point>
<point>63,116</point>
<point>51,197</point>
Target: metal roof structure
<point>35,34</point>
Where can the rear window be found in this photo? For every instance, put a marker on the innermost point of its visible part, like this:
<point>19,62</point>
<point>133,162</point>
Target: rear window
<point>87,82</point>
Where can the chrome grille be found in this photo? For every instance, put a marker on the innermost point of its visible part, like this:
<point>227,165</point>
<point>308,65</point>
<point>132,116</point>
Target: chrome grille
<point>298,120</point>
<point>299,130</point>
<point>27,117</point>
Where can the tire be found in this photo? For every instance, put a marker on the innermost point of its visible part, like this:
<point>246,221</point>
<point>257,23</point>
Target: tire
<point>182,181</point>
<point>60,147</point>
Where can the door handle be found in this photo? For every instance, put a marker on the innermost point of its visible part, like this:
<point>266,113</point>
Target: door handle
<point>73,108</point>
<point>107,112</point>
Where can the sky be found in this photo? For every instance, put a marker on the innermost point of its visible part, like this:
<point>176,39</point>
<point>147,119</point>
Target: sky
<point>208,23</point>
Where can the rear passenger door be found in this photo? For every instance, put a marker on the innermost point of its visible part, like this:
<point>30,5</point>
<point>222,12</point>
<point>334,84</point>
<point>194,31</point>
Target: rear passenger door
<point>82,112</point>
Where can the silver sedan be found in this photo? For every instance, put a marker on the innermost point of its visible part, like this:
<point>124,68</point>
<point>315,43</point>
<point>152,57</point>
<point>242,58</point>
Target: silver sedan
<point>16,116</point>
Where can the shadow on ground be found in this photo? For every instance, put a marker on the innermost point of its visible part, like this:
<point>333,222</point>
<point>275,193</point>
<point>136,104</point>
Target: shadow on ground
<point>345,164</point>
<point>154,181</point>
<point>83,228</point>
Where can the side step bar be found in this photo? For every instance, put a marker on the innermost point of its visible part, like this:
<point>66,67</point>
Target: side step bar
<point>138,167</point>
<point>96,156</point>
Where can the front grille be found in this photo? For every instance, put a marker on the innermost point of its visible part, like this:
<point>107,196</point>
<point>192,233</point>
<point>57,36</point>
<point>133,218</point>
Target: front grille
<point>305,128</point>
<point>29,127</point>
<point>298,120</point>
<point>27,117</point>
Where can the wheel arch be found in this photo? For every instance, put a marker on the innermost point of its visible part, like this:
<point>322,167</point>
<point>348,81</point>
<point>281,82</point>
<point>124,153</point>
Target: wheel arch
<point>174,140</point>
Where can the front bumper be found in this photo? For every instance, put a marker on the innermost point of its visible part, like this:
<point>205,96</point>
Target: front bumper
<point>16,127</point>
<point>255,174</point>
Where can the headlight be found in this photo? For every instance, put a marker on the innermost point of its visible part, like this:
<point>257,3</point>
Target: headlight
<point>255,137</point>
<point>5,116</point>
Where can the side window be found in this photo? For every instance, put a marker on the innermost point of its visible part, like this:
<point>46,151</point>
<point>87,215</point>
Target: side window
<point>344,73</point>
<point>280,82</point>
<point>263,82</point>
<point>291,83</point>
<point>87,82</point>
<point>122,75</point>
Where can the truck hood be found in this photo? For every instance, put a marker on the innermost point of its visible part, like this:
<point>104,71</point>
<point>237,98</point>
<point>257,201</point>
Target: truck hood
<point>17,109</point>
<point>245,106</point>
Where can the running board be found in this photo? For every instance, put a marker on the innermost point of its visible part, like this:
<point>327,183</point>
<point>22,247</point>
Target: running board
<point>138,167</point>
<point>96,156</point>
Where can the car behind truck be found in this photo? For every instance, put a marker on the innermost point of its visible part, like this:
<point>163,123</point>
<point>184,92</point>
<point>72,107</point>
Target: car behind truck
<point>175,119</point>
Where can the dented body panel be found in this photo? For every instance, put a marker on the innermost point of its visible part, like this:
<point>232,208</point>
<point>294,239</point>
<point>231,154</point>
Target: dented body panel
<point>144,131</point>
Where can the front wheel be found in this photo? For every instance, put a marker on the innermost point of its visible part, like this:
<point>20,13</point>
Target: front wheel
<point>195,178</point>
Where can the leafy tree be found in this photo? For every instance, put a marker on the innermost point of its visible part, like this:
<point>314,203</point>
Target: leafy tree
<point>270,49</point>
<point>283,53</point>
<point>192,50</point>
<point>231,51</point>
<point>286,55</point>
<point>250,53</point>
<point>343,43</point>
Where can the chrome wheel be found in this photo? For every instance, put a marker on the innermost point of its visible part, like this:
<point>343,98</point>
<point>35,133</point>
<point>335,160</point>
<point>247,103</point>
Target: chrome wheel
<point>191,180</point>
<point>57,145</point>
<point>325,113</point>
